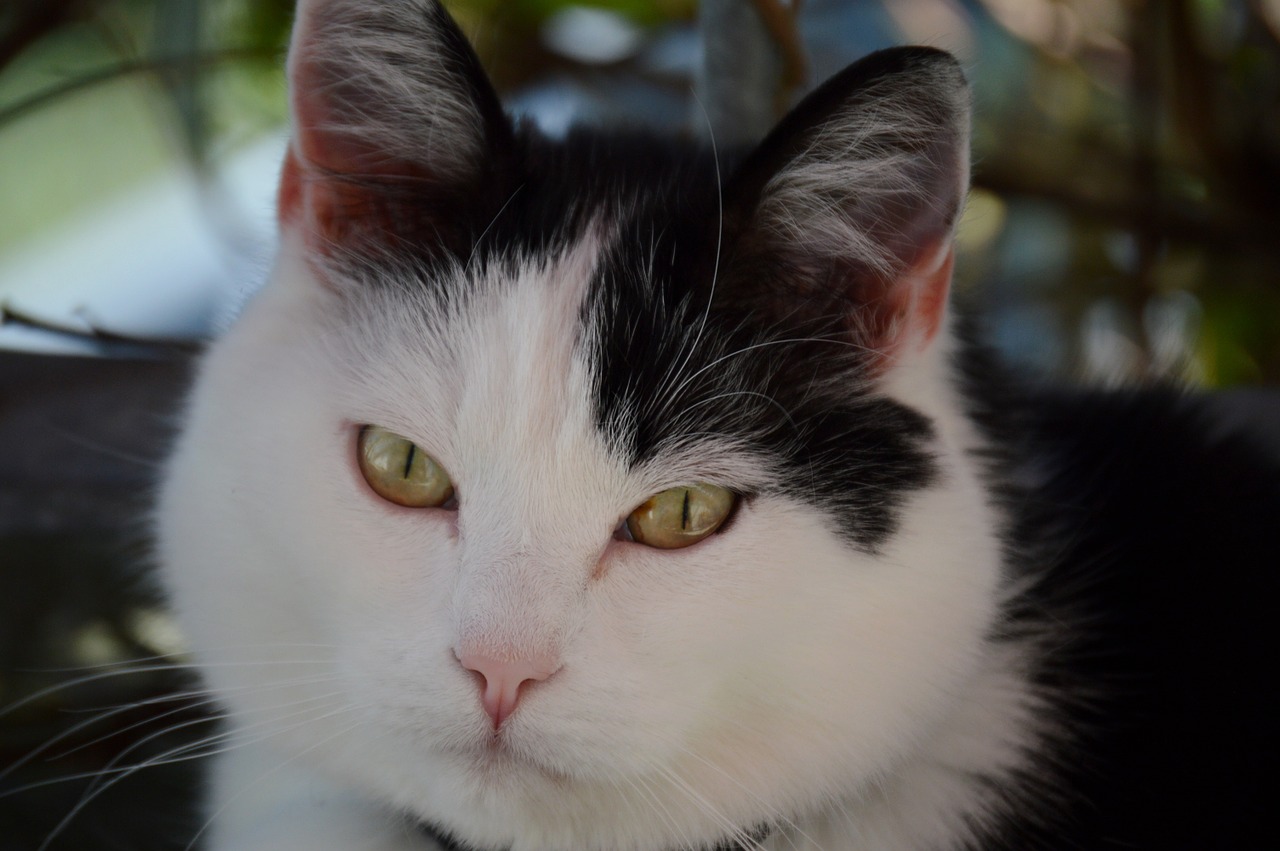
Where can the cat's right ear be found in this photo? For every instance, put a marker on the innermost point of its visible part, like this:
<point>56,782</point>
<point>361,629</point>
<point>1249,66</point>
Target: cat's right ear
<point>396,128</point>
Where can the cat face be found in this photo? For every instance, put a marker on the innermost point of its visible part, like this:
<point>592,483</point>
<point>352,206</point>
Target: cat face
<point>568,329</point>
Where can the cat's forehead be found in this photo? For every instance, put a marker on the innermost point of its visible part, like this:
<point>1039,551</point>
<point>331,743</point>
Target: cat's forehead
<point>594,219</point>
<point>501,385</point>
<point>510,343</point>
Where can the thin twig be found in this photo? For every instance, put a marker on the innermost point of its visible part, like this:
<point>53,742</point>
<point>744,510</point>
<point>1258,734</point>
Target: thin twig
<point>124,69</point>
<point>782,21</point>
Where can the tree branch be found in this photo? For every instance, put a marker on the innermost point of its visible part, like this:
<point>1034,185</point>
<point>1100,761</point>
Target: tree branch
<point>124,69</point>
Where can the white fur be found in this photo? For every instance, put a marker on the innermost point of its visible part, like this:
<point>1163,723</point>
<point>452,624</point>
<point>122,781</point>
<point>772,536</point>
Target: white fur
<point>769,673</point>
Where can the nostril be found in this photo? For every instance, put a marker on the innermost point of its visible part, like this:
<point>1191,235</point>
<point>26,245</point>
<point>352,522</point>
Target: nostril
<point>480,678</point>
<point>523,669</point>
<point>501,680</point>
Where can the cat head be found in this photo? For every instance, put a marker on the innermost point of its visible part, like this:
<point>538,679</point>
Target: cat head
<point>567,330</point>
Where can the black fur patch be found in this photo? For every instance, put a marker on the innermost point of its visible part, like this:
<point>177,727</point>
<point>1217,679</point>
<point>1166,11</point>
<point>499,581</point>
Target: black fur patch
<point>683,358</point>
<point>1152,540</point>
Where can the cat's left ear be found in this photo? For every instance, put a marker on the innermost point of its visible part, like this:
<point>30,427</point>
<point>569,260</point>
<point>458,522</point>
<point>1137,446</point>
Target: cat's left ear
<point>843,217</point>
<point>397,131</point>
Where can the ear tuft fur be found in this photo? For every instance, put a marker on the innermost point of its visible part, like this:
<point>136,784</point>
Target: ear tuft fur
<point>376,85</point>
<point>851,201</point>
<point>885,174</point>
<point>389,103</point>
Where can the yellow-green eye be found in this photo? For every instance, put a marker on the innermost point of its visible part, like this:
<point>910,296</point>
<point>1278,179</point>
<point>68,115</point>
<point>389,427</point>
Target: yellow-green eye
<point>399,471</point>
<point>681,516</point>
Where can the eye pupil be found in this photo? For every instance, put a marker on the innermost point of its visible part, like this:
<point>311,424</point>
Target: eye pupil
<point>408,460</point>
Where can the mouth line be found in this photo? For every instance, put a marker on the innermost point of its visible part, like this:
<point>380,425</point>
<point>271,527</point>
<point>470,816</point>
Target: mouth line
<point>494,760</point>
<point>503,757</point>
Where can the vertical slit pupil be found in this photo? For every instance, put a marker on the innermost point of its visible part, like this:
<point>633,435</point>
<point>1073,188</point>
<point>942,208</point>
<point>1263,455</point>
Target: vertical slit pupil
<point>408,460</point>
<point>684,511</point>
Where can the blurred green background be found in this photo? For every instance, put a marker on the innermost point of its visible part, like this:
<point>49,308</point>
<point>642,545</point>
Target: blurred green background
<point>1127,153</point>
<point>1125,225</point>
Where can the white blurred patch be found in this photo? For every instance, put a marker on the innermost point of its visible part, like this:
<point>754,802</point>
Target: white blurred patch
<point>167,261</point>
<point>591,36</point>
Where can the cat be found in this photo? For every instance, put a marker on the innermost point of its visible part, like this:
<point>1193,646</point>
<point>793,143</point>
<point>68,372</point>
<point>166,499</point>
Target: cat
<point>613,493</point>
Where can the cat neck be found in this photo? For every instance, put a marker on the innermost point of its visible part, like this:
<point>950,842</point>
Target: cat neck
<point>962,780</point>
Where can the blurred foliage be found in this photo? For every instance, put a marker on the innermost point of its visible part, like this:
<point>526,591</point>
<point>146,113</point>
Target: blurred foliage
<point>1136,142</point>
<point>1153,128</point>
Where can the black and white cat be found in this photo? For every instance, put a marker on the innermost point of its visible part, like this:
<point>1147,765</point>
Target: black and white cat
<point>565,496</point>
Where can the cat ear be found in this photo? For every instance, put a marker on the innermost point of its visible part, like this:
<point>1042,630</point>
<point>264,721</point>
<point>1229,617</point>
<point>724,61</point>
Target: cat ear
<point>845,213</point>
<point>394,124</point>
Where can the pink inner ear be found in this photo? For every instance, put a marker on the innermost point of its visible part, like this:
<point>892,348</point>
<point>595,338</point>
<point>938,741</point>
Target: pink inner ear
<point>329,182</point>
<point>316,156</point>
<point>316,104</point>
<point>335,186</point>
<point>330,210</point>
<point>909,310</point>
<point>289,197</point>
<point>932,284</point>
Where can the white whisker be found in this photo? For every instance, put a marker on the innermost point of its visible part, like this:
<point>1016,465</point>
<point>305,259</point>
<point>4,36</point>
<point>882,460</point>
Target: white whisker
<point>186,752</point>
<point>715,271</point>
<point>260,778</point>
<point>89,722</point>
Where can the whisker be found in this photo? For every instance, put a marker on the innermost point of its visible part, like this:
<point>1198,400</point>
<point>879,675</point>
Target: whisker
<point>210,699</point>
<point>105,450</point>
<point>772,401</point>
<point>738,834</point>
<point>492,222</point>
<point>775,817</point>
<point>661,808</point>
<point>715,271</point>
<point>246,787</point>
<point>173,659</point>
<point>95,719</point>
<point>75,669</point>
<point>183,753</point>
<point>752,347</point>
<point>90,678</point>
<point>110,769</point>
<point>771,815</point>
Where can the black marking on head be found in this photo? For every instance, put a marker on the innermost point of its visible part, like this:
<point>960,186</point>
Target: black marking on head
<point>763,311</point>
<point>538,204</point>
<point>679,361</point>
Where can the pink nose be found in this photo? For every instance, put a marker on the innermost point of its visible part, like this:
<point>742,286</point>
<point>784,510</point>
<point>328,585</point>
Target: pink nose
<point>503,679</point>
